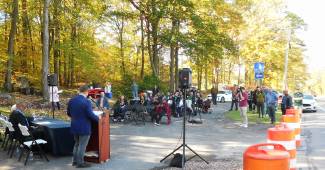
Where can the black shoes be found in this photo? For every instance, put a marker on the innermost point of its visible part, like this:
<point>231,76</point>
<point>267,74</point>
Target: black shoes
<point>84,165</point>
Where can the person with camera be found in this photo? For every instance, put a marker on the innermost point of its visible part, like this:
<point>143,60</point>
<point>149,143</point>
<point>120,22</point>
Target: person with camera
<point>234,100</point>
<point>243,104</point>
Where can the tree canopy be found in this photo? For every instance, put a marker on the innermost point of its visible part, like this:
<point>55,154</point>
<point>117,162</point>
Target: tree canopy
<point>148,40</point>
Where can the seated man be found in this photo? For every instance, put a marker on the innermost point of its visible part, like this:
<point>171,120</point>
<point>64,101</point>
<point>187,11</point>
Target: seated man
<point>120,108</point>
<point>206,105</point>
<point>17,116</point>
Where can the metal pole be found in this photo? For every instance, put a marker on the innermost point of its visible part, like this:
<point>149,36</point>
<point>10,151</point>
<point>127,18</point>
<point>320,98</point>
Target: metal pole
<point>184,119</point>
<point>52,103</point>
<point>286,58</point>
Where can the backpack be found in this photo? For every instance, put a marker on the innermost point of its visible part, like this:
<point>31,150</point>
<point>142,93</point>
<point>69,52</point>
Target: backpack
<point>260,97</point>
<point>176,161</point>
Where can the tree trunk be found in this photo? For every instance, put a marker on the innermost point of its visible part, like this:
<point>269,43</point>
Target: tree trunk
<point>172,57</point>
<point>24,56</point>
<point>74,48</point>
<point>45,51</point>
<point>11,42</point>
<point>142,46</point>
<point>176,66</point>
<point>229,73</point>
<point>56,36</point>
<point>155,48</point>
<point>149,46</point>
<point>176,56</point>
<point>206,77</point>
<point>65,69</point>
<point>121,41</point>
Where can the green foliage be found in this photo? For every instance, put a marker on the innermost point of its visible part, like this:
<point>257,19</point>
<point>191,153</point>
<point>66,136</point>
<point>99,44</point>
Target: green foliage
<point>149,82</point>
<point>123,87</point>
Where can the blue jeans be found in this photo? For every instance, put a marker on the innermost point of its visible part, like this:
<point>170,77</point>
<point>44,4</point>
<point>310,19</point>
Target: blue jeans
<point>271,112</point>
<point>135,94</point>
<point>79,149</point>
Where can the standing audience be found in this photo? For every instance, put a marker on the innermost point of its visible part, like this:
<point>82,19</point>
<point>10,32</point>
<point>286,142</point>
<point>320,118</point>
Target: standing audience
<point>260,99</point>
<point>234,99</point>
<point>271,102</point>
<point>243,104</point>
<point>54,97</point>
<point>286,102</point>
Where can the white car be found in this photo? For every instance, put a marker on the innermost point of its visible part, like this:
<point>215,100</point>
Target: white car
<point>222,96</point>
<point>309,103</point>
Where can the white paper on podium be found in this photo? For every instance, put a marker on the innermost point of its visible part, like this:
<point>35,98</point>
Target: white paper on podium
<point>92,154</point>
<point>98,113</point>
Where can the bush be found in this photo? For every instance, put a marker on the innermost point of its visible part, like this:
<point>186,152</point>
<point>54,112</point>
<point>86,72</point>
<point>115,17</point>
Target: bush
<point>149,82</point>
<point>123,87</point>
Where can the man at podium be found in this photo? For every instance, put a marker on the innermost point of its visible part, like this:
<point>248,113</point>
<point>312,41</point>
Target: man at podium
<point>81,114</point>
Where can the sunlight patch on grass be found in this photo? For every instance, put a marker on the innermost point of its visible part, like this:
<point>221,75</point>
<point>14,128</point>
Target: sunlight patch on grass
<point>252,117</point>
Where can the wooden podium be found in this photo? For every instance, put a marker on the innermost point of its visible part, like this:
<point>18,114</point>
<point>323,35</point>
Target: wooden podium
<point>98,148</point>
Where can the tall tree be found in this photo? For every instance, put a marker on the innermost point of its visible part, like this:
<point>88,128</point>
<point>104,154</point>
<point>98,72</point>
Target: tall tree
<point>11,43</point>
<point>45,50</point>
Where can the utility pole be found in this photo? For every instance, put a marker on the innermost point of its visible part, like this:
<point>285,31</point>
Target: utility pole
<point>286,58</point>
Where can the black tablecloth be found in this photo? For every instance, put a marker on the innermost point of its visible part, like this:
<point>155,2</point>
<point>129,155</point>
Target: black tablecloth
<point>57,134</point>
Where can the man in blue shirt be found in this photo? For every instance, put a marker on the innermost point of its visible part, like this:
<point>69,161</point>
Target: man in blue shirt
<point>81,114</point>
<point>271,100</point>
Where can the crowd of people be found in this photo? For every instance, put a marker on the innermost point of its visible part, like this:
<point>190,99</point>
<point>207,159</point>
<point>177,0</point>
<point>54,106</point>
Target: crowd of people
<point>157,104</point>
<point>263,100</point>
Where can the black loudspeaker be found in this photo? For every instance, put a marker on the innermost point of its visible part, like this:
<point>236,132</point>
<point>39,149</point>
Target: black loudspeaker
<point>52,79</point>
<point>185,78</point>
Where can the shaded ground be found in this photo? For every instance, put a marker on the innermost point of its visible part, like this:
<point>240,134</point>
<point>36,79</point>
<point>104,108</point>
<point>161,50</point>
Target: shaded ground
<point>220,141</point>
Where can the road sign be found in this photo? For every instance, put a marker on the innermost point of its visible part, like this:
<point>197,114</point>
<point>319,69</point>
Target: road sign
<point>259,70</point>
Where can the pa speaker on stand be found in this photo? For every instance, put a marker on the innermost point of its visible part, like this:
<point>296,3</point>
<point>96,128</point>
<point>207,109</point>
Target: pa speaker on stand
<point>185,82</point>
<point>52,80</point>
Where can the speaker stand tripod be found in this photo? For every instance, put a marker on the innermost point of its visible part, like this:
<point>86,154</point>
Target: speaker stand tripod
<point>184,145</point>
<point>52,102</point>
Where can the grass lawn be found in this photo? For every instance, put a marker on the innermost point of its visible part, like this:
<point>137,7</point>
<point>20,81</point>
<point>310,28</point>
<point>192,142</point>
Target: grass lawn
<point>253,117</point>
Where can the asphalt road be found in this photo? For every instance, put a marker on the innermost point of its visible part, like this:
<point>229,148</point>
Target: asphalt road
<point>313,126</point>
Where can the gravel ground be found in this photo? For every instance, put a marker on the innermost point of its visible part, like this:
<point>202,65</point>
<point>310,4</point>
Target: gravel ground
<point>219,164</point>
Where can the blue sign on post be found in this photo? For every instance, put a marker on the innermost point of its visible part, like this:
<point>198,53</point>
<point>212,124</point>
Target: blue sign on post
<point>259,70</point>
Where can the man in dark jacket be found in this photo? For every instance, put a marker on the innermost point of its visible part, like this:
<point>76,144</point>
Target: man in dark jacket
<point>81,114</point>
<point>214,93</point>
<point>286,102</point>
<point>16,117</point>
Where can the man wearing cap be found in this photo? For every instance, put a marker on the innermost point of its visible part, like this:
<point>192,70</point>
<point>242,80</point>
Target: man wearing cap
<point>81,114</point>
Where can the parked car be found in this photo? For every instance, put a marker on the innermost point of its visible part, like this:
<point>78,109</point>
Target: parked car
<point>309,103</point>
<point>222,96</point>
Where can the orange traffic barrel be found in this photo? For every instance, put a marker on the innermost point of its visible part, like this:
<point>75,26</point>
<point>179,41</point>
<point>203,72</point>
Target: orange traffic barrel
<point>285,136</point>
<point>266,156</point>
<point>293,122</point>
<point>297,112</point>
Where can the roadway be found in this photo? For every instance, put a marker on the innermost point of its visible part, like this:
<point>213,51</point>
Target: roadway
<point>313,133</point>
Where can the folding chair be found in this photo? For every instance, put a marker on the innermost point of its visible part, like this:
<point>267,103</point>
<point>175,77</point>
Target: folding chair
<point>3,134</point>
<point>11,136</point>
<point>28,142</point>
